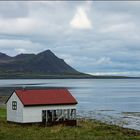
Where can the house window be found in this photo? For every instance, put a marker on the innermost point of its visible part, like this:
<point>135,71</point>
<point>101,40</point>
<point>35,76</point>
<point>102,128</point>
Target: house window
<point>14,105</point>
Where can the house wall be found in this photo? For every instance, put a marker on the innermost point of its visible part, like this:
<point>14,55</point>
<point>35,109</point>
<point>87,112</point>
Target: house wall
<point>34,113</point>
<point>14,115</point>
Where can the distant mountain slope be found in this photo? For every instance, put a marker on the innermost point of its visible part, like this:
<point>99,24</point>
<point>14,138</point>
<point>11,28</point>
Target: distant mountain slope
<point>4,58</point>
<point>42,65</point>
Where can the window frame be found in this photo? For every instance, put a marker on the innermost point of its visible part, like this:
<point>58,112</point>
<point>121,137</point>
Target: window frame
<point>14,105</point>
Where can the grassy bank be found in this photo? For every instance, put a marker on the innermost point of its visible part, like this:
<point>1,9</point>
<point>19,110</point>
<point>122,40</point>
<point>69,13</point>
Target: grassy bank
<point>86,130</point>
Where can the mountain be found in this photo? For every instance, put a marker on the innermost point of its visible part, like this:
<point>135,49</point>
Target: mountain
<point>42,65</point>
<point>4,57</point>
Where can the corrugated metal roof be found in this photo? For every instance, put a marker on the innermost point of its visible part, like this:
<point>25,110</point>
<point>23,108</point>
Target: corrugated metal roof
<point>45,97</point>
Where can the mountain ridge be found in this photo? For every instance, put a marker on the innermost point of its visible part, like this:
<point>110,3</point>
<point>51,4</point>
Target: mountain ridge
<point>40,65</point>
<point>43,65</point>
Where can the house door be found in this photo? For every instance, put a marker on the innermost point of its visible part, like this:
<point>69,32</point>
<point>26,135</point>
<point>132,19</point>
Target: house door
<point>44,116</point>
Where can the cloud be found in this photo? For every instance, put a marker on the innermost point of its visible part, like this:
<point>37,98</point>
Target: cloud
<point>16,46</point>
<point>111,45</point>
<point>20,50</point>
<point>104,61</point>
<point>12,9</point>
<point>80,20</point>
<point>119,27</point>
<point>18,26</point>
<point>126,73</point>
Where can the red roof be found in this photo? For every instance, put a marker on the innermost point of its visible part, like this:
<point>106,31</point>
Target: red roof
<point>45,97</point>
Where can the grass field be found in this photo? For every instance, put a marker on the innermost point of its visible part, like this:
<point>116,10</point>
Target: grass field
<point>85,130</point>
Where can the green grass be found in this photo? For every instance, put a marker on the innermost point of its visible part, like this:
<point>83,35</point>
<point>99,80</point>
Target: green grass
<point>85,130</point>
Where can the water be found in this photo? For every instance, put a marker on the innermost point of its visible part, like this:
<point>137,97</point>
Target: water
<point>115,101</point>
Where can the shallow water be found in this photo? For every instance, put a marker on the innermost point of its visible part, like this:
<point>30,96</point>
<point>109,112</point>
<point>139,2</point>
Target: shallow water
<point>115,101</point>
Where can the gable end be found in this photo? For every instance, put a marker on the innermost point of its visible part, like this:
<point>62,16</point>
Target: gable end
<point>16,95</point>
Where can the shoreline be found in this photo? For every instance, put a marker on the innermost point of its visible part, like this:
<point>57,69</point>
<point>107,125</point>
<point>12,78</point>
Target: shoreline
<point>92,77</point>
<point>122,118</point>
<point>127,119</point>
<point>86,129</point>
<point>106,121</point>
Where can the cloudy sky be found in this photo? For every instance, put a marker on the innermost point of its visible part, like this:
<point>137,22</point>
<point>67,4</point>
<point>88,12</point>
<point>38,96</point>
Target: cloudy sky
<point>94,37</point>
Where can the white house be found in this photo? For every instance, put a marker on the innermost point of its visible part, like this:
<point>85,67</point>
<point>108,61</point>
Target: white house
<point>51,106</point>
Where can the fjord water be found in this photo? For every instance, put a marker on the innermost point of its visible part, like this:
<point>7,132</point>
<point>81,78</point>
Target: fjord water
<point>115,101</point>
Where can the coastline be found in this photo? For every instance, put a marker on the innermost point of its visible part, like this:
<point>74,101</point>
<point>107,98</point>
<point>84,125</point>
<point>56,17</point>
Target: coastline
<point>105,119</point>
<point>125,117</point>
<point>29,75</point>
<point>86,129</point>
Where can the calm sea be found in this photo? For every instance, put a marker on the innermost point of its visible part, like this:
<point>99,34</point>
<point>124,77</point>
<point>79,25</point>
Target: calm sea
<point>115,101</point>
